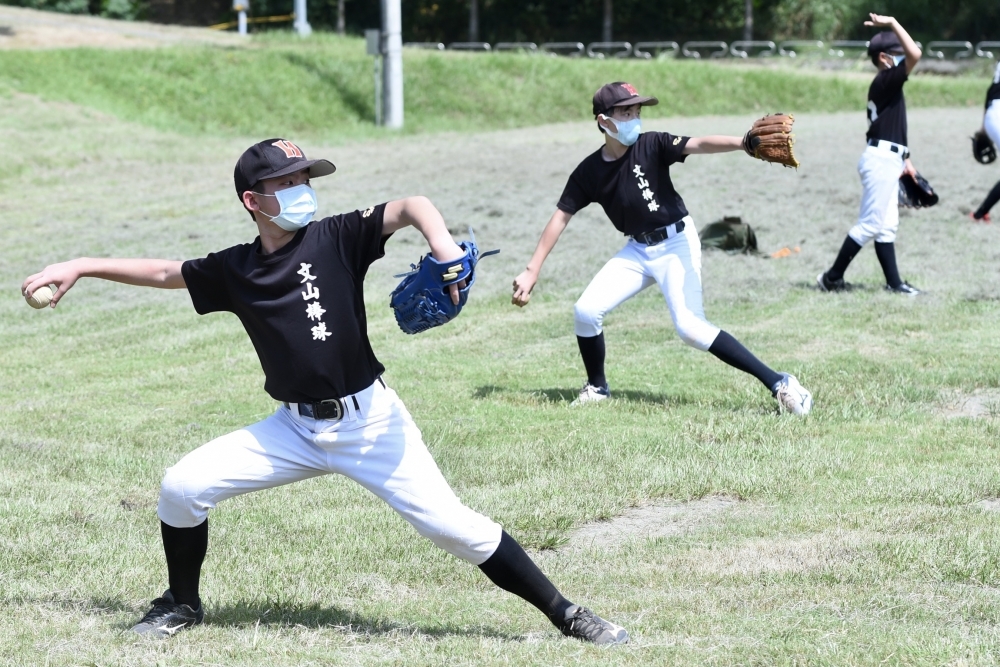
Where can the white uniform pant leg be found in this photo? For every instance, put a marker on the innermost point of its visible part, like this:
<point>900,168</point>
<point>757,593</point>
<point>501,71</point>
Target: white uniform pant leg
<point>270,453</point>
<point>879,216</point>
<point>676,266</point>
<point>385,453</point>
<point>619,280</point>
<point>991,121</point>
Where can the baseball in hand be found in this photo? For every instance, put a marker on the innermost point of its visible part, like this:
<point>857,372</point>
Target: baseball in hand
<point>40,298</point>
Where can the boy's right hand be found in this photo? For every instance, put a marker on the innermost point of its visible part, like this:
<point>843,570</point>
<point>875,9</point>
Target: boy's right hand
<point>523,285</point>
<point>63,275</point>
<point>878,21</point>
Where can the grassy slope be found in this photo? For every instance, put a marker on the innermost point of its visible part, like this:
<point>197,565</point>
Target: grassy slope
<point>323,88</point>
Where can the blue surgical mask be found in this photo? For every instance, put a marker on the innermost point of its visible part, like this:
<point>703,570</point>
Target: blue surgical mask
<point>897,59</point>
<point>628,131</point>
<point>298,206</point>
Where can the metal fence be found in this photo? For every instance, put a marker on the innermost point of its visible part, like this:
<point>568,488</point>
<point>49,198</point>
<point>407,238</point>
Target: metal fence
<point>795,48</point>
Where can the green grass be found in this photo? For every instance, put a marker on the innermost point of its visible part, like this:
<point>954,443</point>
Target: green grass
<point>322,88</point>
<point>856,536</point>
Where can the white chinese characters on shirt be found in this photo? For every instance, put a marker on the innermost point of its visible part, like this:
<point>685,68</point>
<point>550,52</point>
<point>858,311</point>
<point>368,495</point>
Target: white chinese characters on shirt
<point>647,194</point>
<point>314,311</point>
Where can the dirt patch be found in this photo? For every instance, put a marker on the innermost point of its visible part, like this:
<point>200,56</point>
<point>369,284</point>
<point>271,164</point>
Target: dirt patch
<point>22,28</point>
<point>659,519</point>
<point>982,403</point>
<point>990,504</point>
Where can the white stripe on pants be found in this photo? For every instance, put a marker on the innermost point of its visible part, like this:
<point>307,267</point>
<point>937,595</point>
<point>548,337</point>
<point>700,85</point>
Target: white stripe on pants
<point>674,264</point>
<point>879,216</point>
<point>380,447</point>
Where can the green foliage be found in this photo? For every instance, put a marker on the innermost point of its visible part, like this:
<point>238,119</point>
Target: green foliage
<point>324,87</point>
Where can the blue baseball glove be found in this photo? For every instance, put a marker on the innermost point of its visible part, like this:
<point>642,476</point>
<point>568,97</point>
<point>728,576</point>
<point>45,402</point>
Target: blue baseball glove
<point>422,300</point>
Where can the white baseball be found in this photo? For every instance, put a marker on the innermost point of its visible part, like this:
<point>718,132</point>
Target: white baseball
<point>40,298</point>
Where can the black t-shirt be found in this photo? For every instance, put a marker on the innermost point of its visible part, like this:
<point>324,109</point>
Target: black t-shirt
<point>886,105</point>
<point>302,306</point>
<point>994,91</point>
<point>634,190</point>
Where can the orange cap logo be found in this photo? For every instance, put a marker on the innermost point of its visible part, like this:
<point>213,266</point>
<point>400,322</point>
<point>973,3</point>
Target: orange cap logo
<point>630,89</point>
<point>291,150</point>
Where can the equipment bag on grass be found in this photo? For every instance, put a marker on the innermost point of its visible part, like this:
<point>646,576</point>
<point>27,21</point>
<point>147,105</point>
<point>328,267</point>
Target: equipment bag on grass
<point>731,234</point>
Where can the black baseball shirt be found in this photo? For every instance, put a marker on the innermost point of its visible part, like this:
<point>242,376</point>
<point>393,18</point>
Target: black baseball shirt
<point>635,190</point>
<point>302,306</point>
<point>886,105</point>
<point>994,90</point>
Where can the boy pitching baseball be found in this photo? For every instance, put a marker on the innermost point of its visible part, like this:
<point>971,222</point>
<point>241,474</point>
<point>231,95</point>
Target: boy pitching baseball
<point>885,159</point>
<point>629,176</point>
<point>991,126</point>
<point>298,291</point>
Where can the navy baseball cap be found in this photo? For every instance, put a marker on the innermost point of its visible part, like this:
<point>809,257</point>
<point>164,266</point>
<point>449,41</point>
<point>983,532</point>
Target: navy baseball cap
<point>272,158</point>
<point>884,42</point>
<point>619,94</point>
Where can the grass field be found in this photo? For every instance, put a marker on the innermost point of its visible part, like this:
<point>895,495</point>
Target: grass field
<point>322,88</point>
<point>863,535</point>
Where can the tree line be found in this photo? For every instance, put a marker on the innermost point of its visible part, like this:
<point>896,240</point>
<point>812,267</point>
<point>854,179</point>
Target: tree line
<point>585,20</point>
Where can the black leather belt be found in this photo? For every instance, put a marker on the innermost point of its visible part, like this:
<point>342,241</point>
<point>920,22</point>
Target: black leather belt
<point>331,409</point>
<point>661,234</point>
<point>894,147</point>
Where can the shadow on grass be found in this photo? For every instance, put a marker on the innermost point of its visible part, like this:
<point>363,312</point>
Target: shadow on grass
<point>559,395</point>
<point>358,103</point>
<point>247,614</point>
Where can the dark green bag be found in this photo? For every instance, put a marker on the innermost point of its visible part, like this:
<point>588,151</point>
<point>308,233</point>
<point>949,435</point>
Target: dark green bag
<point>731,234</point>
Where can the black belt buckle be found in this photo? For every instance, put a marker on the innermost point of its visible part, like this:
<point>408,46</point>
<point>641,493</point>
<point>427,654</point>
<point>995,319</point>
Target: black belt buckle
<point>331,409</point>
<point>659,235</point>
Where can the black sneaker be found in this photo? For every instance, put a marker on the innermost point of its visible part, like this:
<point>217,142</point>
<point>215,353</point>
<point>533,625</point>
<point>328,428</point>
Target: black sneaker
<point>167,617</point>
<point>828,285</point>
<point>903,288</point>
<point>584,624</point>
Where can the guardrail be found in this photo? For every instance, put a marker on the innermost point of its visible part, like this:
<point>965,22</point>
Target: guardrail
<point>646,50</point>
<point>515,46</point>
<point>962,49</point>
<point>693,49</point>
<point>571,49</point>
<point>761,49</point>
<point>744,49</point>
<point>602,50</point>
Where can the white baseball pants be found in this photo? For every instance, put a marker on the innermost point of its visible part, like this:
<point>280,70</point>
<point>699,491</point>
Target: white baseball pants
<point>674,265</point>
<point>379,446</point>
<point>991,121</point>
<point>879,217</point>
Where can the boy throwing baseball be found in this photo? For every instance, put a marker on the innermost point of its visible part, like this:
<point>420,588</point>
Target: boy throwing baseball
<point>629,176</point>
<point>885,159</point>
<point>298,291</point>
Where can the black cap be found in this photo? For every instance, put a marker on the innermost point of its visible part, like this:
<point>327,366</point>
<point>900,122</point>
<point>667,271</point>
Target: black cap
<point>884,42</point>
<point>272,158</point>
<point>619,94</point>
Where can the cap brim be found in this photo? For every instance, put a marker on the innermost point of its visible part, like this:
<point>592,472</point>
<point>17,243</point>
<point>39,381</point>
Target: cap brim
<point>643,101</point>
<point>316,169</point>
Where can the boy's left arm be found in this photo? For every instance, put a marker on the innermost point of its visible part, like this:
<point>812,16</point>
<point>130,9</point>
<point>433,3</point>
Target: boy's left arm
<point>716,143</point>
<point>420,213</point>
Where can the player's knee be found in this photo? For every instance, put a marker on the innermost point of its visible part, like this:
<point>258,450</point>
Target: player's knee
<point>588,319</point>
<point>695,331</point>
<point>180,503</point>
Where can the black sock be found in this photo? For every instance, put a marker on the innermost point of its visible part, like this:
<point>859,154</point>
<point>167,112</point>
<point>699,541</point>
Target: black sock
<point>185,550</point>
<point>844,257</point>
<point>731,351</point>
<point>592,351</point>
<point>886,253</point>
<point>992,198</point>
<point>513,570</point>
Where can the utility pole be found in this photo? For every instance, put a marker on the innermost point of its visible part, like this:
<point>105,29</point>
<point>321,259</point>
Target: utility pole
<point>473,20</point>
<point>341,24</point>
<point>301,20</point>
<point>392,70</point>
<point>608,17</point>
<point>748,20</point>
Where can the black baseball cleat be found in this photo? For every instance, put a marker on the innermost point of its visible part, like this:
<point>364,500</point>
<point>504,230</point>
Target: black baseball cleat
<point>167,618</point>
<point>828,285</point>
<point>903,288</point>
<point>584,624</point>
